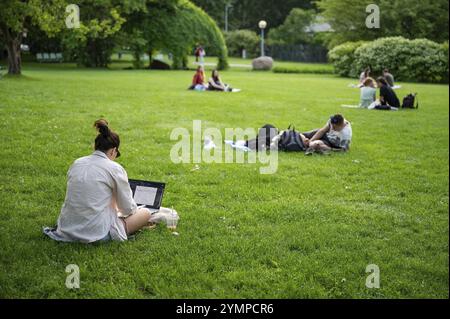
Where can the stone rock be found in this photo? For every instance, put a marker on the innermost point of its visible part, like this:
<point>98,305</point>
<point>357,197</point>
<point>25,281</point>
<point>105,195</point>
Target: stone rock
<point>262,63</point>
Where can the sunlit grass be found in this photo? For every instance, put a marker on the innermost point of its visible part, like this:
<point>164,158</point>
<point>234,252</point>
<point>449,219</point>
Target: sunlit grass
<point>308,231</point>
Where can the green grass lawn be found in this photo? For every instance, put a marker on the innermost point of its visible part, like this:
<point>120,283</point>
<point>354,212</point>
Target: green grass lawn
<point>308,231</point>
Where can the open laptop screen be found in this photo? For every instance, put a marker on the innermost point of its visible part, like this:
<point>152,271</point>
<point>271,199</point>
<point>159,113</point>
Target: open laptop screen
<point>149,194</point>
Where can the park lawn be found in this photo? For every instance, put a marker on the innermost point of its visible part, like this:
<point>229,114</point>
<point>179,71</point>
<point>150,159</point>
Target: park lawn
<point>308,231</point>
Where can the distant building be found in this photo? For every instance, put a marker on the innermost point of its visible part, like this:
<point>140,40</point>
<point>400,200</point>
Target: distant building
<point>319,26</point>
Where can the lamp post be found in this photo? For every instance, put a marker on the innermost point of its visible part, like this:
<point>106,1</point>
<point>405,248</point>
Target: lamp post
<point>262,25</point>
<point>227,7</point>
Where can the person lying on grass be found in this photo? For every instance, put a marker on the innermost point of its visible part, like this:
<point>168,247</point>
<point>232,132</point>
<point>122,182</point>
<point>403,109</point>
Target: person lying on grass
<point>336,135</point>
<point>215,83</point>
<point>97,191</point>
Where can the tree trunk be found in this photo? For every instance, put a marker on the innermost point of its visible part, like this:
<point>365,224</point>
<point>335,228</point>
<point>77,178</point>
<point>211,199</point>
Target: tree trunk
<point>150,58</point>
<point>12,44</point>
<point>14,57</point>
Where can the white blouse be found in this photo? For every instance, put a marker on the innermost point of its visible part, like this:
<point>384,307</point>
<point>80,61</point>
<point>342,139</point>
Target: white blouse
<point>97,189</point>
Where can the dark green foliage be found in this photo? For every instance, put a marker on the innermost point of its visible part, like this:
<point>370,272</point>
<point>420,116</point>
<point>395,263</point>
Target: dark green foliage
<point>190,26</point>
<point>174,27</point>
<point>93,43</point>
<point>239,40</point>
<point>411,19</point>
<point>246,14</point>
<point>17,16</point>
<point>293,30</point>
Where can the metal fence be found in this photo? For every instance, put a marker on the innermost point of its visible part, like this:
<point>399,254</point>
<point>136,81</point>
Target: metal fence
<point>299,53</point>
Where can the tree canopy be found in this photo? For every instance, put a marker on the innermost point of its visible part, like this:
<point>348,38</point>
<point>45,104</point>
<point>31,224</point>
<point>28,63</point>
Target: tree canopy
<point>174,26</point>
<point>176,30</point>
<point>408,18</point>
<point>294,28</point>
<point>18,16</point>
<point>245,14</point>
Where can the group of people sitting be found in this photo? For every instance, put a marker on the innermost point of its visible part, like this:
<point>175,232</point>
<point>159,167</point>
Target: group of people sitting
<point>214,83</point>
<point>386,75</point>
<point>388,99</point>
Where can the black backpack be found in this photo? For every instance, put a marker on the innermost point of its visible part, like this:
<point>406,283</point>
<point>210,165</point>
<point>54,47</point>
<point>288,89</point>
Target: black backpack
<point>291,141</point>
<point>409,102</point>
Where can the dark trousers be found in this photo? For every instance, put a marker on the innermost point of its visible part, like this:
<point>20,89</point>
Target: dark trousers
<point>324,138</point>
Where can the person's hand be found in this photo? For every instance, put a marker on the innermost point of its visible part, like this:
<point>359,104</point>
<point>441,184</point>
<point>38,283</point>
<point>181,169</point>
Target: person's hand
<point>307,142</point>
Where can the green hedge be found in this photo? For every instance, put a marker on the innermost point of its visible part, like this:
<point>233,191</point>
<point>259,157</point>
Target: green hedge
<point>300,70</point>
<point>343,57</point>
<point>417,60</point>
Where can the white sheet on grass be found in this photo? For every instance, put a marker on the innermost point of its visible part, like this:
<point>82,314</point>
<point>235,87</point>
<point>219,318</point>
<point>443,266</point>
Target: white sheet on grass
<point>239,145</point>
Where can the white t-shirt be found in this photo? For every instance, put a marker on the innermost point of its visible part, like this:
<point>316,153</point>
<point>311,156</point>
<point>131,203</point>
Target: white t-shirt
<point>342,138</point>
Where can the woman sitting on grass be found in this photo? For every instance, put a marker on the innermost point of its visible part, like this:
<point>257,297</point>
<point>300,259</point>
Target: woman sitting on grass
<point>97,191</point>
<point>368,93</point>
<point>388,99</point>
<point>198,82</point>
<point>215,83</point>
<point>336,135</point>
<point>364,75</point>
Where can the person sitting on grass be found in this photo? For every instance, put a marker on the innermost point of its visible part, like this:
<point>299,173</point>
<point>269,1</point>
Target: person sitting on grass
<point>388,99</point>
<point>97,191</point>
<point>368,93</point>
<point>389,77</point>
<point>198,82</point>
<point>215,83</point>
<point>336,135</point>
<point>364,75</point>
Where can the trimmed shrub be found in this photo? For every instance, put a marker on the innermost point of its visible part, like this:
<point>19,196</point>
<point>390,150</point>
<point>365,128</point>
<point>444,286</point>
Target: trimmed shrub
<point>445,51</point>
<point>419,60</point>
<point>306,70</point>
<point>343,57</point>
<point>239,40</point>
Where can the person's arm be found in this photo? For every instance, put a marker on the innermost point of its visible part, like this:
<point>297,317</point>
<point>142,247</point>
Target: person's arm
<point>122,191</point>
<point>221,85</point>
<point>213,84</point>
<point>345,145</point>
<point>305,140</point>
<point>320,133</point>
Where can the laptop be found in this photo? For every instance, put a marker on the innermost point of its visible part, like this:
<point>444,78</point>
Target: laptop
<point>148,194</point>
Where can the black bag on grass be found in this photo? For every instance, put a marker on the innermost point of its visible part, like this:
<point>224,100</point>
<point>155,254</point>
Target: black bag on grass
<point>409,102</point>
<point>291,141</point>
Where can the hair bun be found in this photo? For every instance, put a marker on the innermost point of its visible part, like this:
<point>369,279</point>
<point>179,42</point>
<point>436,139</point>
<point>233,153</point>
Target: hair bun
<point>102,127</point>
